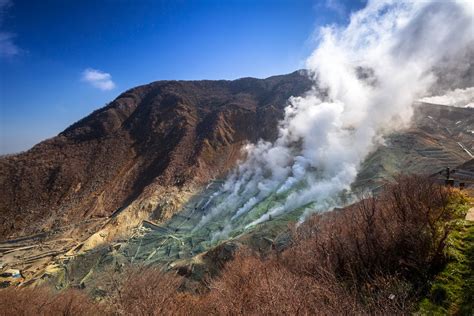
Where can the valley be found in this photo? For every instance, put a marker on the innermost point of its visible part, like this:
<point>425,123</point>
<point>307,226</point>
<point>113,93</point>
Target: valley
<point>198,217</point>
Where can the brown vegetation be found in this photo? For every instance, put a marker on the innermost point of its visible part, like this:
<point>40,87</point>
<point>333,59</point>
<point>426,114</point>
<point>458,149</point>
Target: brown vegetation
<point>401,231</point>
<point>44,301</point>
<point>143,291</point>
<point>374,257</point>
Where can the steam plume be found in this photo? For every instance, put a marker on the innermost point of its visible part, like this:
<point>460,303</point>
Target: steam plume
<point>456,97</point>
<point>367,76</point>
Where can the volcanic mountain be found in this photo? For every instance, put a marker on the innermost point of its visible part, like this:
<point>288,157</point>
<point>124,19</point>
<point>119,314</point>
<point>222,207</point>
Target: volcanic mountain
<point>164,135</point>
<point>160,149</point>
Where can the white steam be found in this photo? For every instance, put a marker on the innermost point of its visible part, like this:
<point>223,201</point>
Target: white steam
<point>371,72</point>
<point>456,97</point>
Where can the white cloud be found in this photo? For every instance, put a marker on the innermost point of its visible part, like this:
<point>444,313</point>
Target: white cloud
<point>99,79</point>
<point>336,6</point>
<point>7,47</point>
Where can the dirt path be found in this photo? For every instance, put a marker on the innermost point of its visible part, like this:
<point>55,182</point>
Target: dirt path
<point>470,212</point>
<point>470,215</point>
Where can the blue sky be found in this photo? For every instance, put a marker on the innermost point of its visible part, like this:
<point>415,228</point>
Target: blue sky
<point>62,59</point>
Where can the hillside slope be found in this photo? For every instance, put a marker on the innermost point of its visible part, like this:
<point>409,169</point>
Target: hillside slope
<point>164,134</point>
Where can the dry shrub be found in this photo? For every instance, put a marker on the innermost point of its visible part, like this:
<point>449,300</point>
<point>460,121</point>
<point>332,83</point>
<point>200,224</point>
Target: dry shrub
<point>373,257</point>
<point>401,231</point>
<point>146,291</point>
<point>252,286</point>
<point>44,301</point>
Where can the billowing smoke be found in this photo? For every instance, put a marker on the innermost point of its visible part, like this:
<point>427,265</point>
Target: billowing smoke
<point>367,76</point>
<point>456,97</point>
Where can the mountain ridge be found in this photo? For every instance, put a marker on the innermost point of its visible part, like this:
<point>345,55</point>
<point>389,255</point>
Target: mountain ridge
<point>107,159</point>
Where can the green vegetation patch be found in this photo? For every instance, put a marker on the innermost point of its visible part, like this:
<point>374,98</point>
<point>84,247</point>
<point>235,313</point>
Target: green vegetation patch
<point>452,290</point>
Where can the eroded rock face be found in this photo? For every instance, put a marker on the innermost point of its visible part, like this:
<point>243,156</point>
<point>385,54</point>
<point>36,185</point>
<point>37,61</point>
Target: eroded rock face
<point>167,133</point>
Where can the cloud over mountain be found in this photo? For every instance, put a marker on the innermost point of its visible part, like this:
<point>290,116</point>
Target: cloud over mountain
<point>98,79</point>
